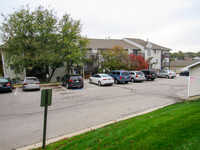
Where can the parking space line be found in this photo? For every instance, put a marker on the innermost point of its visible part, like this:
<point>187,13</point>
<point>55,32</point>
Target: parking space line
<point>16,91</point>
<point>63,88</point>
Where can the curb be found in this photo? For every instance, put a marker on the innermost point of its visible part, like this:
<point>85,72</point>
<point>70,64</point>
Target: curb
<point>39,144</point>
<point>42,85</point>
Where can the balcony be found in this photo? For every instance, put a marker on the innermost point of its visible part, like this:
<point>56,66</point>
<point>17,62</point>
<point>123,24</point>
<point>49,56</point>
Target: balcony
<point>165,64</point>
<point>165,55</point>
<point>137,54</point>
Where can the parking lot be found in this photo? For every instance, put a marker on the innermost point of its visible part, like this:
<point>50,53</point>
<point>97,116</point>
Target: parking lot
<point>21,117</point>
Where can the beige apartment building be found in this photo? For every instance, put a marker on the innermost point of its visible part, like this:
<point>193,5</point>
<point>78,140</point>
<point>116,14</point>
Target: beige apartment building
<point>157,56</point>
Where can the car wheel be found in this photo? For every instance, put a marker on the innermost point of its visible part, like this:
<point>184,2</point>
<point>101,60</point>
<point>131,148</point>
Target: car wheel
<point>126,82</point>
<point>152,79</point>
<point>167,77</point>
<point>147,79</point>
<point>115,81</point>
<point>10,89</point>
<point>99,83</point>
<point>67,86</point>
<point>62,83</point>
<point>90,81</point>
<point>132,80</point>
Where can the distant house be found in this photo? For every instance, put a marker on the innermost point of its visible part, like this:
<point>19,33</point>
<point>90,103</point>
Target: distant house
<point>194,79</point>
<point>178,65</point>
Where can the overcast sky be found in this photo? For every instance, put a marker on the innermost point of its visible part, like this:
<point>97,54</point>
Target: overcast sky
<point>170,23</point>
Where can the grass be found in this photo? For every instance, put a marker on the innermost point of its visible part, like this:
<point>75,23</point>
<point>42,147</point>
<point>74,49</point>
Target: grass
<point>175,127</point>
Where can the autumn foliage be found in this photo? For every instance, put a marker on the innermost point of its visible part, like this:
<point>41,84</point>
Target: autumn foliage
<point>138,62</point>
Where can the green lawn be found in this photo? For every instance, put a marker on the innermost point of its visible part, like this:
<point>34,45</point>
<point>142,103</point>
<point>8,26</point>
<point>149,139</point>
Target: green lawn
<point>173,127</point>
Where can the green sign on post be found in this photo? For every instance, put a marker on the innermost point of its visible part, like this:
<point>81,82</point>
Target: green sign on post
<point>46,99</point>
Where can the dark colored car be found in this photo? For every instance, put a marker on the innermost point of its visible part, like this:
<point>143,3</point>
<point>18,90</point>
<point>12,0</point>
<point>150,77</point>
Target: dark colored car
<point>120,76</point>
<point>6,84</point>
<point>149,74</point>
<point>184,73</point>
<point>72,80</point>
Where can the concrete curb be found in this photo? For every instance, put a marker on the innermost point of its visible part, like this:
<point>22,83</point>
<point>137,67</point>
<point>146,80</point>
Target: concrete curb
<point>37,145</point>
<point>42,85</point>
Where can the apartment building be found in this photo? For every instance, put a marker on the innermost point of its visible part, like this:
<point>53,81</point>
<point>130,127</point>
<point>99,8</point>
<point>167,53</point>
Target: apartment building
<point>157,56</point>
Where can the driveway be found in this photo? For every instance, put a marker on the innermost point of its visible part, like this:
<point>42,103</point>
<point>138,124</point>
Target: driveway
<point>21,117</point>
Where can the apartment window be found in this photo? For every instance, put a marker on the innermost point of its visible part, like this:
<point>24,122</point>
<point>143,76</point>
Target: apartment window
<point>149,52</point>
<point>154,51</point>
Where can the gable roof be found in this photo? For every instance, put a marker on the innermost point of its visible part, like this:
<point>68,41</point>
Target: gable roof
<point>182,63</point>
<point>145,43</point>
<point>109,43</point>
<point>192,65</point>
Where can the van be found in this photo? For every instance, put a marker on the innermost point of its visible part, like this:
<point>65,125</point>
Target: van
<point>120,76</point>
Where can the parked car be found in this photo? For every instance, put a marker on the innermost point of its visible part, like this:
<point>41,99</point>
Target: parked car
<point>137,76</point>
<point>72,80</point>
<point>31,83</point>
<point>101,79</point>
<point>6,84</point>
<point>149,74</point>
<point>120,76</point>
<point>184,73</point>
<point>166,74</point>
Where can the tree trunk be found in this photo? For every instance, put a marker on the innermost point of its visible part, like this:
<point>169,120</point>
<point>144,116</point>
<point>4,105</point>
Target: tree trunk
<point>53,70</point>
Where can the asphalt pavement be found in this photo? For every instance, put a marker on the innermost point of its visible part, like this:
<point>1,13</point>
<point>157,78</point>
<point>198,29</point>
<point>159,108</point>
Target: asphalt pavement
<point>21,117</point>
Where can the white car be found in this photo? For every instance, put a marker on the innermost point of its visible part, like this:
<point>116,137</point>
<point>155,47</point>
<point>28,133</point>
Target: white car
<point>31,83</point>
<point>101,79</point>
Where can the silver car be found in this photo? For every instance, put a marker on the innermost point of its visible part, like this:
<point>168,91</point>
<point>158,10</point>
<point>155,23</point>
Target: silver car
<point>137,76</point>
<point>166,74</point>
<point>31,83</point>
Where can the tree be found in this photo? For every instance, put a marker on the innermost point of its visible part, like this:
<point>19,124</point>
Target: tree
<point>37,40</point>
<point>115,58</point>
<point>74,47</point>
<point>137,62</point>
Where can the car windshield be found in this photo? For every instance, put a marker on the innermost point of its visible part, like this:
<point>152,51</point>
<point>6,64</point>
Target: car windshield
<point>139,73</point>
<point>3,80</point>
<point>125,73</point>
<point>76,77</point>
<point>105,76</point>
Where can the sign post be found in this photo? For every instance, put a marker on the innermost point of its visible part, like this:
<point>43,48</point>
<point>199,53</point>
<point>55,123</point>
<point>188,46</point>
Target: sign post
<point>46,100</point>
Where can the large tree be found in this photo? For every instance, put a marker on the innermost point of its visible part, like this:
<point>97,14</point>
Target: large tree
<point>115,58</point>
<point>39,40</point>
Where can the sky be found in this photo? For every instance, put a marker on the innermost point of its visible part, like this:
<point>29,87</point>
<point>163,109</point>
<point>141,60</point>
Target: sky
<point>174,24</point>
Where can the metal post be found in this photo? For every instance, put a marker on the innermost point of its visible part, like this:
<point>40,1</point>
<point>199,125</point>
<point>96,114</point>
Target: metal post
<point>45,120</point>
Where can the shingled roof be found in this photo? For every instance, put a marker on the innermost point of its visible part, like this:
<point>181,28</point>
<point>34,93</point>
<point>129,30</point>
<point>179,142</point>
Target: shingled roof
<point>109,43</point>
<point>182,63</point>
<point>144,43</point>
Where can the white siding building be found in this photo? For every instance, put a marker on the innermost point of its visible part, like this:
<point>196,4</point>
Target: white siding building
<point>194,80</point>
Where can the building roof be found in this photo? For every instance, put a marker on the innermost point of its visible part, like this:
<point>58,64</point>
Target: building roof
<point>144,44</point>
<point>194,64</point>
<point>109,43</point>
<point>182,63</point>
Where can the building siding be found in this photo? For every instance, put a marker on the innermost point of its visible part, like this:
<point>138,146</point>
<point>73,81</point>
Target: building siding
<point>194,81</point>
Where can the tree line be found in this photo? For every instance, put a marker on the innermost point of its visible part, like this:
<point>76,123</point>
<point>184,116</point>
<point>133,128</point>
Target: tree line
<point>182,55</point>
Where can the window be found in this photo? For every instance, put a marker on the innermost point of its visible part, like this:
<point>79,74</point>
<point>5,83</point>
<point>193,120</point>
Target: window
<point>12,67</point>
<point>154,51</point>
<point>118,73</point>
